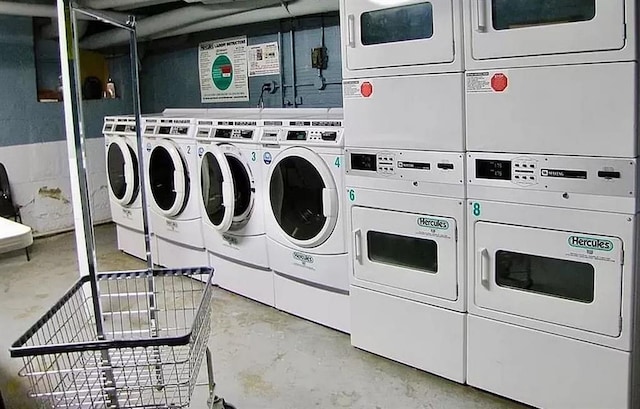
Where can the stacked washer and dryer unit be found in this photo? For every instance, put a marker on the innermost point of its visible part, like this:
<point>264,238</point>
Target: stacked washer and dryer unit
<point>404,125</point>
<point>549,107</point>
<point>552,140</point>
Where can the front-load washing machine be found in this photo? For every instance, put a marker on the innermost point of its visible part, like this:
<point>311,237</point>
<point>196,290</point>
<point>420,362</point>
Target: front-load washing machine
<point>403,60</point>
<point>552,286</point>
<point>124,186</point>
<point>304,216</point>
<point>552,77</point>
<point>231,199</point>
<point>173,190</point>
<point>407,221</point>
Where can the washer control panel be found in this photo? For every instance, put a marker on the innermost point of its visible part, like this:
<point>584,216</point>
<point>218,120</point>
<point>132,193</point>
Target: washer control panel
<point>304,133</point>
<point>415,166</point>
<point>601,176</point>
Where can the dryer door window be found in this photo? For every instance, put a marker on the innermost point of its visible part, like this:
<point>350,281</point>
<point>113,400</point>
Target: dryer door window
<point>567,278</point>
<point>303,197</point>
<point>122,171</point>
<point>407,251</point>
<point>522,28</point>
<point>217,189</point>
<point>414,33</point>
<point>168,179</point>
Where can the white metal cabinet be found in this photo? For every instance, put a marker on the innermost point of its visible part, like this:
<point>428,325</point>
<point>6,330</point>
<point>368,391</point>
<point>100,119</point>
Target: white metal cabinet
<point>412,252</point>
<point>407,33</point>
<point>508,28</point>
<point>571,279</point>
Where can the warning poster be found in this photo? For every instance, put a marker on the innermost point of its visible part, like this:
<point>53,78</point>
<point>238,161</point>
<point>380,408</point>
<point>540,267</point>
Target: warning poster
<point>223,70</point>
<point>264,59</point>
<point>487,81</point>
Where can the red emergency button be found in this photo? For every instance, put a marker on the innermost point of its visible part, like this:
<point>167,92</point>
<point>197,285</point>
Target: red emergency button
<point>366,89</point>
<point>499,82</point>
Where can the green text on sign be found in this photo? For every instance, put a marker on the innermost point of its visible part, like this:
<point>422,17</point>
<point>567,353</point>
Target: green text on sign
<point>352,195</point>
<point>253,156</point>
<point>222,72</point>
<point>337,162</point>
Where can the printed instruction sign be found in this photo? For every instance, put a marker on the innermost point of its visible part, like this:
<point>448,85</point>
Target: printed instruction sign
<point>223,70</point>
<point>264,59</point>
<point>487,81</point>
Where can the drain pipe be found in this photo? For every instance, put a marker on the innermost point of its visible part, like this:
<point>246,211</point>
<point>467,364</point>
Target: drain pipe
<point>171,20</point>
<point>293,9</point>
<point>112,4</point>
<point>30,10</point>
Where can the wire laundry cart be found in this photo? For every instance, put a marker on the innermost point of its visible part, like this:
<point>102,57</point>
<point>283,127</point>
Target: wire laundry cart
<point>116,340</point>
<point>156,328</point>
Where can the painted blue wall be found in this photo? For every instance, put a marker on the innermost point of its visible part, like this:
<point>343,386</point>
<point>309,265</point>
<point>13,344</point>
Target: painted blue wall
<point>24,120</point>
<point>170,78</point>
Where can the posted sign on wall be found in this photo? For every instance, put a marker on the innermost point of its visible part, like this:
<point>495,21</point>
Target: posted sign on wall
<point>223,70</point>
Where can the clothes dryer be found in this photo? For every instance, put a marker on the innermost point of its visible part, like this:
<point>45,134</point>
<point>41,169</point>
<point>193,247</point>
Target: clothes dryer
<point>552,298</point>
<point>124,186</point>
<point>407,221</point>
<point>231,198</point>
<point>304,215</point>
<point>403,60</point>
<point>552,77</point>
<point>173,183</point>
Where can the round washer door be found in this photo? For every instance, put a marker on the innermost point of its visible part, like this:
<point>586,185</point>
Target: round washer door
<point>122,172</point>
<point>168,178</point>
<point>217,188</point>
<point>303,197</point>
<point>243,186</point>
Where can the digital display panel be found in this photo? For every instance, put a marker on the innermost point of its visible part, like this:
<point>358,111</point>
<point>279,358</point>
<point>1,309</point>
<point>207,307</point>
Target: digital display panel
<point>493,169</point>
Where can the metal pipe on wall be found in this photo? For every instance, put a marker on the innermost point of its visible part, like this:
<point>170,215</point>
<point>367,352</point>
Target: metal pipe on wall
<point>172,20</point>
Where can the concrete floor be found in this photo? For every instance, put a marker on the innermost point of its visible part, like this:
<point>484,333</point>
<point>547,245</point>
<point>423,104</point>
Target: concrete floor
<point>263,358</point>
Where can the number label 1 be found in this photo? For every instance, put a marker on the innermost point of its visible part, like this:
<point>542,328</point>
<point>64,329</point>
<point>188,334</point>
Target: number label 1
<point>476,209</point>
<point>352,195</point>
<point>337,162</point>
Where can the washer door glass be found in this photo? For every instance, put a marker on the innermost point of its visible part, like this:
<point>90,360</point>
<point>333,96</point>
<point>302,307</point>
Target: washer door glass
<point>243,191</point>
<point>168,179</point>
<point>122,171</point>
<point>217,188</point>
<point>296,194</point>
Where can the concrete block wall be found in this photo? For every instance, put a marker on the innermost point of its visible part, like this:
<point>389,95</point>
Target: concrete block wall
<point>32,136</point>
<point>170,77</point>
<point>32,145</point>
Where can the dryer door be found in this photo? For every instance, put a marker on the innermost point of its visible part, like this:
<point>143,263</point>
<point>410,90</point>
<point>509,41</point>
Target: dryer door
<point>168,178</point>
<point>566,278</point>
<point>412,252</point>
<point>411,32</point>
<point>217,188</point>
<point>122,172</point>
<point>521,28</point>
<point>303,197</point>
